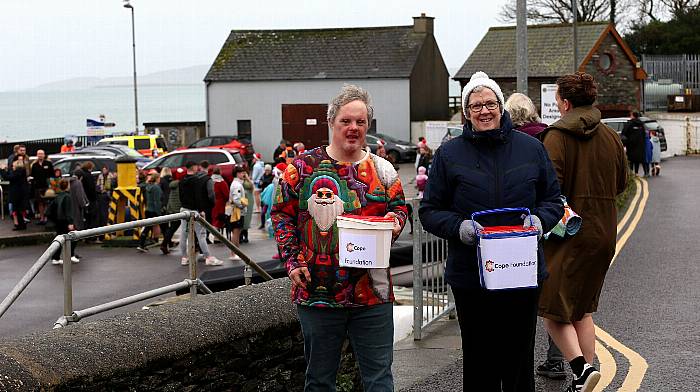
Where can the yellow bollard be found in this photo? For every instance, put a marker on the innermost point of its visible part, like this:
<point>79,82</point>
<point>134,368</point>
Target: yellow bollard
<point>126,195</point>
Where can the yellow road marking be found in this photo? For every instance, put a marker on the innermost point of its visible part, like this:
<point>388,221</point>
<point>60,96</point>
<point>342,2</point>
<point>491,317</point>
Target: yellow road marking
<point>637,216</point>
<point>630,209</point>
<point>638,365</point>
<point>608,367</point>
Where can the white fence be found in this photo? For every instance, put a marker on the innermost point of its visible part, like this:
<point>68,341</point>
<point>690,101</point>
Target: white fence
<point>682,132</point>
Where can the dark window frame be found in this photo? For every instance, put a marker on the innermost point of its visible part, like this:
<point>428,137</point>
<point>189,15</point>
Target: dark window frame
<point>245,129</point>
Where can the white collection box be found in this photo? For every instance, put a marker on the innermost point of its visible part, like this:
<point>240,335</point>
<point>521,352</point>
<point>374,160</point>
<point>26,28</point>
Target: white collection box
<point>508,262</point>
<point>507,254</point>
<point>364,242</point>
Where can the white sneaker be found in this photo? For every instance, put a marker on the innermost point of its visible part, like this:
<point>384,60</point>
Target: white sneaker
<point>235,257</point>
<point>211,260</point>
<point>74,259</point>
<point>184,261</point>
<point>57,262</point>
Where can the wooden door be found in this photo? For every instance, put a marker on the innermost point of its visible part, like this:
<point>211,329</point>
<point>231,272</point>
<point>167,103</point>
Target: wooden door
<point>305,123</point>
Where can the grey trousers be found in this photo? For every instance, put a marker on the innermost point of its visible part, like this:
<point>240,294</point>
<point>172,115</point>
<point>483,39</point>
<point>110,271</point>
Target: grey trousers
<point>553,353</point>
<point>200,236</point>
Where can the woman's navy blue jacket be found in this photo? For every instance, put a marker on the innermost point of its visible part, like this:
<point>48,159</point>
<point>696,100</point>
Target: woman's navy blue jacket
<point>481,171</point>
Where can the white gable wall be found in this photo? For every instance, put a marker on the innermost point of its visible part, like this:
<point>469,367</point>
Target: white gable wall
<point>261,102</point>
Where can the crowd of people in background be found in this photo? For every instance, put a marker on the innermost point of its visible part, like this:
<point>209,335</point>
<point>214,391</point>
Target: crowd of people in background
<point>229,207</point>
<point>80,199</point>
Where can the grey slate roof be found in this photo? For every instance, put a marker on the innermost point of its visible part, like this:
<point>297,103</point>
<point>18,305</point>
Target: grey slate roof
<point>347,53</point>
<point>550,51</point>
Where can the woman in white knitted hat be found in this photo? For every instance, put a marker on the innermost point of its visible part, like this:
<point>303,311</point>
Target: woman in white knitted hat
<point>488,167</point>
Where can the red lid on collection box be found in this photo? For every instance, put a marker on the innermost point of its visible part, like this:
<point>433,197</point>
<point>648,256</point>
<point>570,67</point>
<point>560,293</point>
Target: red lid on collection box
<point>506,229</point>
<point>370,218</point>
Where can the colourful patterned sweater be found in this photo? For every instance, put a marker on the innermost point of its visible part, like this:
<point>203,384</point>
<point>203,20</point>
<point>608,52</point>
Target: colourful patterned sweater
<point>313,191</point>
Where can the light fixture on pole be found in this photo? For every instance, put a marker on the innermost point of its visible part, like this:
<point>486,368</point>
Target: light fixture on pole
<point>133,44</point>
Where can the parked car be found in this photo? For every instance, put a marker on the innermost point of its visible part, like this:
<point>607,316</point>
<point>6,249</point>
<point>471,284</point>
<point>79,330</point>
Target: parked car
<point>396,149</point>
<point>650,125</point>
<point>69,164</point>
<point>114,151</point>
<point>226,159</point>
<point>244,146</point>
<point>144,144</point>
<point>452,132</point>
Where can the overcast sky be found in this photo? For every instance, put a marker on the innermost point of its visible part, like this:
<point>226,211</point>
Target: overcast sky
<point>48,40</point>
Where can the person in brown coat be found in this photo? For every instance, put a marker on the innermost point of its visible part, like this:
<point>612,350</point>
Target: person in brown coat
<point>591,166</point>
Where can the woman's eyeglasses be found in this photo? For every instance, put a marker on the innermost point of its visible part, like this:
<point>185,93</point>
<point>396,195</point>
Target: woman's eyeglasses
<point>476,107</point>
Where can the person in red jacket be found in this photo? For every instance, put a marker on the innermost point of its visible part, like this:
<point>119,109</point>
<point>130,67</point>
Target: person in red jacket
<point>218,213</point>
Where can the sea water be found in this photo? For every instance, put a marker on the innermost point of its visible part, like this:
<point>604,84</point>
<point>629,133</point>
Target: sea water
<point>36,114</point>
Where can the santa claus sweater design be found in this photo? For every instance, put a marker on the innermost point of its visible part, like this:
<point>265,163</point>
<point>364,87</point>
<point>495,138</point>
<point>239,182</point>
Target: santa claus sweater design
<point>313,191</point>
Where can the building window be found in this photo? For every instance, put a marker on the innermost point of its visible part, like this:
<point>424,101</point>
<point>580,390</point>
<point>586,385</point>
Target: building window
<point>244,130</point>
<point>606,63</point>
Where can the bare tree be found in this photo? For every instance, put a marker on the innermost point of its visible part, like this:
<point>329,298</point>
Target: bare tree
<point>662,10</point>
<point>559,11</point>
<point>676,7</point>
<point>648,10</point>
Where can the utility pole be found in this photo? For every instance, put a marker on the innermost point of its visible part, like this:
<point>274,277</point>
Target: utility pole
<point>133,45</point>
<point>574,11</point>
<point>521,44</point>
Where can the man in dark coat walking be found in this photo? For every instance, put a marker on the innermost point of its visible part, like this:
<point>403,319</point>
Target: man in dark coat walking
<point>633,137</point>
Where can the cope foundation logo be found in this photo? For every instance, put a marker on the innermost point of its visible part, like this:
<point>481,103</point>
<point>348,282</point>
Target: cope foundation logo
<point>352,247</point>
<point>489,265</point>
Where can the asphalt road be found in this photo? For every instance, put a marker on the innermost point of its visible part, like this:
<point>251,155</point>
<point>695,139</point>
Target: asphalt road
<point>651,299</point>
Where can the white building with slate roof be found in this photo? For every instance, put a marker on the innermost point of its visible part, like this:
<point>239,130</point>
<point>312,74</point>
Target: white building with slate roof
<point>272,84</point>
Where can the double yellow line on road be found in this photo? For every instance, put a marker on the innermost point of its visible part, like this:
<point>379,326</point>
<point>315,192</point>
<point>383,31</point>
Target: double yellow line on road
<point>637,365</point>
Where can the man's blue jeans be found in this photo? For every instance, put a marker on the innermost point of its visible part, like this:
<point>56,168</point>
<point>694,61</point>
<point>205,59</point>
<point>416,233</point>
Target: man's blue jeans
<point>371,333</point>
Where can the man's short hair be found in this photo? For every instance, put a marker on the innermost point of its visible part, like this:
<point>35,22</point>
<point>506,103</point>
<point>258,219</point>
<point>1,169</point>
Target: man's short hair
<point>63,184</point>
<point>347,94</point>
<point>204,164</point>
<point>190,164</point>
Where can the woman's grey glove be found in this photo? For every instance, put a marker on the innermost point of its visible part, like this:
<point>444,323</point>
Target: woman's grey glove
<point>466,231</point>
<point>535,222</point>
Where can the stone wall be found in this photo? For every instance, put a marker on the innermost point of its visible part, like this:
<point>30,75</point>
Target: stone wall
<point>617,88</point>
<point>246,339</point>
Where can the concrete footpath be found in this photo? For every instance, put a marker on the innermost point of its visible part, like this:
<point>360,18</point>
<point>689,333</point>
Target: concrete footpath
<point>34,234</point>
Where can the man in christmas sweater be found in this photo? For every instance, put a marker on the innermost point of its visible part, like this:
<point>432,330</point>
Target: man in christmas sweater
<point>334,302</point>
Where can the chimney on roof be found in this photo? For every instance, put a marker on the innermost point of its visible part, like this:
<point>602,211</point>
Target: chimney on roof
<point>423,24</point>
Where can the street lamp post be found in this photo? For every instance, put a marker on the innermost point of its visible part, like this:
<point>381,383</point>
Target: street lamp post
<point>133,45</point>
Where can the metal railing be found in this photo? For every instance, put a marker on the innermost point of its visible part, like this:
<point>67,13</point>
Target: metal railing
<point>681,68</point>
<point>432,297</point>
<point>64,242</point>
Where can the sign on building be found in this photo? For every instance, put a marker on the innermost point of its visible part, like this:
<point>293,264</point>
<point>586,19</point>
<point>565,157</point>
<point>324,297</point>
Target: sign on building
<point>549,110</point>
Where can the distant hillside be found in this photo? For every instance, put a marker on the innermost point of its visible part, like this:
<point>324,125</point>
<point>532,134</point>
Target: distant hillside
<point>182,76</point>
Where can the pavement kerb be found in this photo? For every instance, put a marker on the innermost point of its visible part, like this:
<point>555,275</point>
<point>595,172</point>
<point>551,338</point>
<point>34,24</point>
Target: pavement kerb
<point>27,239</point>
